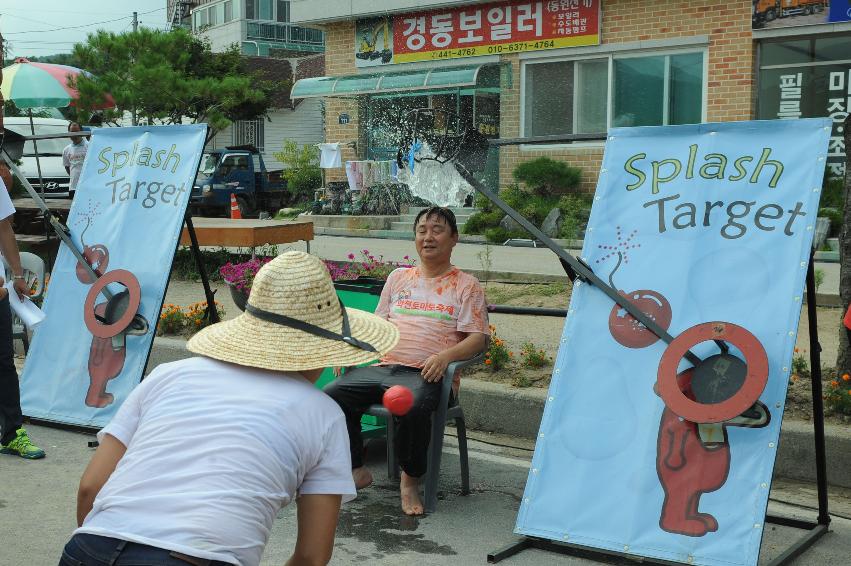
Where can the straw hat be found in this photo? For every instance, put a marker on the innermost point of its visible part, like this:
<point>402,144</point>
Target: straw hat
<point>294,321</point>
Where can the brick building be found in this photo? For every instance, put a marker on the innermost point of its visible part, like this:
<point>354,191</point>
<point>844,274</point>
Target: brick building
<point>521,68</point>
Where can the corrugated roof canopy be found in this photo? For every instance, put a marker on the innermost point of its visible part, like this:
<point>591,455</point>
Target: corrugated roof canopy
<point>352,85</point>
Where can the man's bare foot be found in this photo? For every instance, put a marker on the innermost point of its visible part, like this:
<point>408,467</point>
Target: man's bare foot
<point>409,490</point>
<point>362,477</point>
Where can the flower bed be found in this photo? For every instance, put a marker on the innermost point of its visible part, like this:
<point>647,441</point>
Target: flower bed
<point>240,276</point>
<point>178,320</point>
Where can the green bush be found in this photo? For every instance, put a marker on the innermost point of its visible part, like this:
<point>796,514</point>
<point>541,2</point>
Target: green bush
<point>833,193</point>
<point>836,218</point>
<point>575,210</point>
<point>475,224</point>
<point>544,176</point>
<point>302,173</point>
<point>498,234</point>
<point>482,202</point>
<point>514,196</point>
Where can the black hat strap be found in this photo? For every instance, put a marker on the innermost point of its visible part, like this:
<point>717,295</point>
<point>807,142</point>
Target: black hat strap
<point>282,320</point>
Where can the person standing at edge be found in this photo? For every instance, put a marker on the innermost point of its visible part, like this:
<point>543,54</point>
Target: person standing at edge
<point>73,156</point>
<point>13,437</point>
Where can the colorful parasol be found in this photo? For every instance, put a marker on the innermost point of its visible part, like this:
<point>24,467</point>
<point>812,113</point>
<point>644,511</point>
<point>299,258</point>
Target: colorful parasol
<point>34,85</point>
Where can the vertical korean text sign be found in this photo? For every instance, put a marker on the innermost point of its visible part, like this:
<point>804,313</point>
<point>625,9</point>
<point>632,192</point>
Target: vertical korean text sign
<point>707,229</point>
<point>126,219</point>
<point>475,30</point>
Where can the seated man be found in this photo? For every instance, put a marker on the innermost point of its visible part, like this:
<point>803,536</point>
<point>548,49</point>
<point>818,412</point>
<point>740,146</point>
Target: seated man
<point>202,455</point>
<point>442,317</point>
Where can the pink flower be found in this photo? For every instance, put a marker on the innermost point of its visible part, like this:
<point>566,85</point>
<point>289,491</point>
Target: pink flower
<point>351,256</point>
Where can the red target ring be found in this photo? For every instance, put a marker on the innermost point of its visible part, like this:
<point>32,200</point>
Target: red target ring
<point>125,278</point>
<point>754,383</point>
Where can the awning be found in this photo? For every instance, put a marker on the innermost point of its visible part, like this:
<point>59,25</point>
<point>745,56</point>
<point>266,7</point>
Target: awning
<point>352,85</point>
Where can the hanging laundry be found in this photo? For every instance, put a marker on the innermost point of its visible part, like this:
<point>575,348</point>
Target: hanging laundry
<point>330,155</point>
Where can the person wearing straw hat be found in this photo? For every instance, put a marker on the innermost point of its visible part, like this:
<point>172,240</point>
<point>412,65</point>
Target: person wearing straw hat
<point>442,316</point>
<point>202,455</point>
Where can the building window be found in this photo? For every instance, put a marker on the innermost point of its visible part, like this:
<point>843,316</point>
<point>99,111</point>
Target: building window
<point>265,10</point>
<point>250,9</point>
<point>658,90</point>
<point>228,11</point>
<point>212,15</point>
<point>588,96</point>
<point>282,11</point>
<point>566,97</point>
<point>201,19</point>
<point>249,132</point>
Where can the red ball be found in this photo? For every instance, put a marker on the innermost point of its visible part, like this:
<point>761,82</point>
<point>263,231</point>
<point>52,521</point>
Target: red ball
<point>398,400</point>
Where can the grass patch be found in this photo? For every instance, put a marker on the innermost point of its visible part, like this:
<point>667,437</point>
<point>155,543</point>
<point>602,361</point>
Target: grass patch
<point>508,293</point>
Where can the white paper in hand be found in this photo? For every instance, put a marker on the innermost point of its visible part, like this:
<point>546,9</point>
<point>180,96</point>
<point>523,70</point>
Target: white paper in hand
<point>26,310</point>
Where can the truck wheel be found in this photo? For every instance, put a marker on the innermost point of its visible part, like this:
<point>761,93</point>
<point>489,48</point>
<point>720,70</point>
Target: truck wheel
<point>245,208</point>
<point>770,15</point>
<point>808,10</point>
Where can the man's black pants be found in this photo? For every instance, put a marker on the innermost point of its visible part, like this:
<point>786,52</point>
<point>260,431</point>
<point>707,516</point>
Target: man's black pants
<point>11,418</point>
<point>361,387</point>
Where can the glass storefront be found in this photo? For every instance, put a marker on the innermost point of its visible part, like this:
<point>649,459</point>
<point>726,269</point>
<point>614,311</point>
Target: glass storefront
<point>390,117</point>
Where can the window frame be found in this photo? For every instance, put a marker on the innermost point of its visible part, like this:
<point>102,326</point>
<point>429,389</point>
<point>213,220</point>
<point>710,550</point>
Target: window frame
<point>610,57</point>
<point>238,130</point>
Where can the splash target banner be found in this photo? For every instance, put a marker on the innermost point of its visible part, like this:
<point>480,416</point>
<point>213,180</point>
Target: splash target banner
<point>665,448</point>
<point>91,350</point>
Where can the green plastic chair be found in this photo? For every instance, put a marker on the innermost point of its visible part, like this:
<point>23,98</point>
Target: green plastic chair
<point>363,294</point>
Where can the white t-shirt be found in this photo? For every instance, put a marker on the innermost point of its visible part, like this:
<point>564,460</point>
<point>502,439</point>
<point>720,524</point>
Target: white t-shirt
<point>330,156</point>
<point>214,451</point>
<point>72,157</point>
<point>6,207</point>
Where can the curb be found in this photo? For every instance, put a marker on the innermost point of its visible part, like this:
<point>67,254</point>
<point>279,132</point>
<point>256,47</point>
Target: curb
<point>487,404</point>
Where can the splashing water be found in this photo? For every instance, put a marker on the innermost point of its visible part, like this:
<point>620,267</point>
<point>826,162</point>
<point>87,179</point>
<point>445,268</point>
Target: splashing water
<point>435,182</point>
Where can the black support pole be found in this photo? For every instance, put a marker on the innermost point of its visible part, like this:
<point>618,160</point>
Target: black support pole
<point>212,312</point>
<point>818,404</point>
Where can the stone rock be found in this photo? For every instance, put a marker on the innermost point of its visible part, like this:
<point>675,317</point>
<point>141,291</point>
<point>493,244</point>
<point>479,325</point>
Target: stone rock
<point>552,223</point>
<point>510,224</point>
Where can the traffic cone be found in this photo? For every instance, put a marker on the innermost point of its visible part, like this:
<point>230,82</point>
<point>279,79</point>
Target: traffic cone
<point>234,208</point>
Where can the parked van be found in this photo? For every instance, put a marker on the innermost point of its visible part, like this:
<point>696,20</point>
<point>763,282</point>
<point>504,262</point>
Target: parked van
<point>53,173</point>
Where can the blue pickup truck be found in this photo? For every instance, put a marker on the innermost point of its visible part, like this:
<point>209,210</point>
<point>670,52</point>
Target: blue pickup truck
<point>238,170</point>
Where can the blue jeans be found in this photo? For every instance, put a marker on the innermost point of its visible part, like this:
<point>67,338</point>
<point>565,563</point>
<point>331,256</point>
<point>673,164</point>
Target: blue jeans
<point>94,550</point>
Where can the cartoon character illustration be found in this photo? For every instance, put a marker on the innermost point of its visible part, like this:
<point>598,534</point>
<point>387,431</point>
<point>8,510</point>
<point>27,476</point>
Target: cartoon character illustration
<point>693,459</point>
<point>110,321</point>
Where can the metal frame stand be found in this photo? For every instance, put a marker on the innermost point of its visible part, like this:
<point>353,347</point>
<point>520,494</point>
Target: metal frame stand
<point>575,267</point>
<point>815,529</point>
<point>212,312</point>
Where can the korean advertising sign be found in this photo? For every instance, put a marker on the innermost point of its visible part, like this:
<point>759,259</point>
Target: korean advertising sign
<point>809,92</point>
<point>475,30</point>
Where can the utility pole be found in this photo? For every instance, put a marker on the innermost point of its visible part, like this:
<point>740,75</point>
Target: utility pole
<point>135,29</point>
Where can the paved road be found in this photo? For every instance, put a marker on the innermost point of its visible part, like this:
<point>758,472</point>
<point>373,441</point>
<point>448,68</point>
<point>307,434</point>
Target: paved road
<point>37,512</point>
